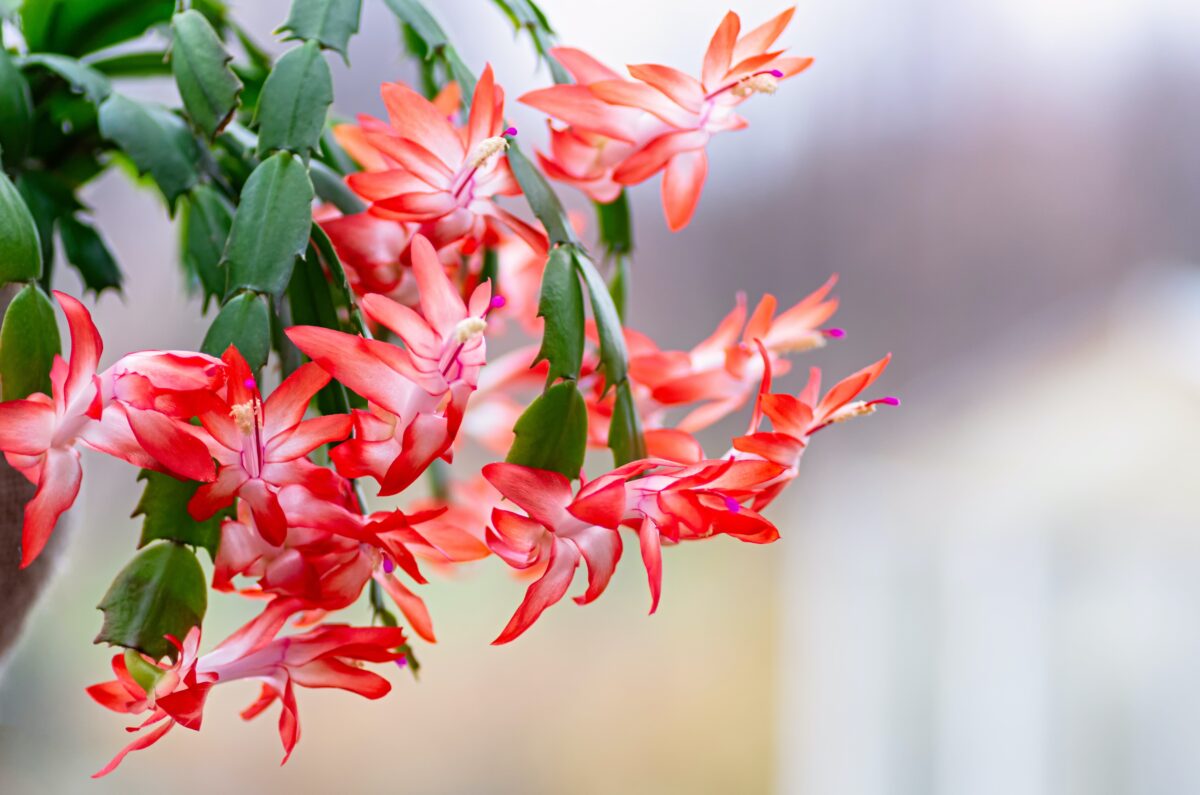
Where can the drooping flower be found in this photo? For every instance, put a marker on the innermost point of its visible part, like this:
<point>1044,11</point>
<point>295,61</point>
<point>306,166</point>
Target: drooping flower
<point>262,446</point>
<point>40,435</point>
<point>174,692</point>
<point>622,132</point>
<point>425,171</point>
<point>419,392</point>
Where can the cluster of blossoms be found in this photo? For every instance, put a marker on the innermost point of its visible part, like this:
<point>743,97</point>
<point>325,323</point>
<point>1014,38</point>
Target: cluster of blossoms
<point>296,534</point>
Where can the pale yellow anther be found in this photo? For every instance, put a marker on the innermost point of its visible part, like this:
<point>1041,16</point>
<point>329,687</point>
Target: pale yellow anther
<point>486,148</point>
<point>756,84</point>
<point>859,408</point>
<point>468,329</point>
<point>244,416</point>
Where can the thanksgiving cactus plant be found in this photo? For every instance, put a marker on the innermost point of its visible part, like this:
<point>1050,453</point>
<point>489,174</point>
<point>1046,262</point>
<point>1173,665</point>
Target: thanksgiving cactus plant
<point>355,274</point>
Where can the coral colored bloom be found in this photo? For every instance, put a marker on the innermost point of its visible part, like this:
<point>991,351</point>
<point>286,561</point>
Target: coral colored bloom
<point>262,446</point>
<point>425,171</point>
<point>795,419</point>
<point>174,693</point>
<point>419,392</point>
<point>39,435</point>
<point>622,132</point>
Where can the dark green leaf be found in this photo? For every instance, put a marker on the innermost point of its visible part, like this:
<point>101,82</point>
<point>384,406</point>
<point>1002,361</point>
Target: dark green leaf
<point>525,14</point>
<point>244,322</point>
<point>616,228</point>
<point>153,63</point>
<point>161,592</point>
<point>16,111</point>
<point>552,433</point>
<point>618,286</point>
<point>28,342</point>
<point>625,430</point>
<point>75,27</point>
<point>541,197</point>
<point>48,199</point>
<point>330,22</point>
<point>296,97</point>
<point>20,248</point>
<point>422,22</point>
<point>561,304</point>
<point>207,85</point>
<point>86,251</point>
<point>332,188</point>
<point>157,141</point>
<point>613,355</point>
<point>82,78</point>
<point>164,508</point>
<point>207,218</point>
<point>271,226</point>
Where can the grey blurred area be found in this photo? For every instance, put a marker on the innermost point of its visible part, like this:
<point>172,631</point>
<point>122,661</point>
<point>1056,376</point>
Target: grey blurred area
<point>991,589</point>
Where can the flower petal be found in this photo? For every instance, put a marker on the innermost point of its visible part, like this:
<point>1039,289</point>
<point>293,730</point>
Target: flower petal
<point>548,589</point>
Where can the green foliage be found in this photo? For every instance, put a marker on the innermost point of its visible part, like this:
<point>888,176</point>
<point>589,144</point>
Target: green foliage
<point>152,63</point>
<point>82,78</point>
<point>207,85</point>
<point>625,429</point>
<point>157,141</point>
<point>296,97</point>
<point>542,199</point>
<point>20,248</point>
<point>614,357</point>
<point>245,322</point>
<point>207,218</point>
<point>28,343</point>
<point>524,14</point>
<point>561,304</point>
<point>552,433</point>
<point>616,227</point>
<point>162,591</point>
<point>330,187</point>
<point>329,22</point>
<point>434,43</point>
<point>86,251</point>
<point>270,227</point>
<point>77,27</point>
<point>16,111</point>
<point>48,197</point>
<point>163,508</point>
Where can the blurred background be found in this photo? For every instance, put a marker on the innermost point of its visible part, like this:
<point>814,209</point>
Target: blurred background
<point>990,590</point>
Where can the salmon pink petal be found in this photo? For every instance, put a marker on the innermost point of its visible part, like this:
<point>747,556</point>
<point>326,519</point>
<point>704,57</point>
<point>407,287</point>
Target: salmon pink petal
<point>426,438</point>
<point>335,673</point>
<point>175,448</point>
<point>792,65</point>
<point>533,237</point>
<point>112,695</point>
<point>673,445</point>
<point>651,546</point>
<point>378,185</point>
<point>86,345</point>
<point>411,605</point>
<point>484,119</point>
<point>763,36</point>
<point>418,205</point>
<point>579,106</point>
<point>353,139</point>
<point>544,495</point>
<point>57,488</point>
<point>602,506</point>
<point>601,549</point>
<point>849,388</point>
<point>416,118</point>
<point>418,160</point>
<point>288,403</point>
<point>212,497</point>
<point>547,590</point>
<point>654,156</point>
<point>441,304</point>
<point>268,515</point>
<point>682,182</point>
<point>143,741</point>
<point>349,359</point>
<point>26,427</point>
<point>759,324</point>
<point>308,436</point>
<point>719,55</point>
<point>683,89</point>
<point>630,94</point>
<point>583,67</point>
<point>781,448</point>
<point>516,539</point>
<point>788,414</point>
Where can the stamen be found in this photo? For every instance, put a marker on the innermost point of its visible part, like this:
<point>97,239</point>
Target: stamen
<point>887,401</point>
<point>244,417</point>
<point>486,148</point>
<point>249,384</point>
<point>498,302</point>
<point>388,565</point>
<point>733,505</point>
<point>834,333</point>
<point>760,83</point>
<point>468,329</point>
